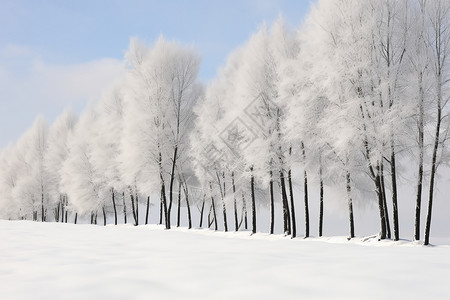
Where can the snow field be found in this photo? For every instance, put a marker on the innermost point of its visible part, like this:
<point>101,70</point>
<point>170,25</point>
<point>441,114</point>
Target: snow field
<point>66,261</point>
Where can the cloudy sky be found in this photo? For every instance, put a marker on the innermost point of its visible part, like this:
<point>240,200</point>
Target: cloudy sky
<point>59,54</point>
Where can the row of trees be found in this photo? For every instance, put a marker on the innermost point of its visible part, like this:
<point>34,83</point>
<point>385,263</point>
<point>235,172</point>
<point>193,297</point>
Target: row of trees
<point>349,99</point>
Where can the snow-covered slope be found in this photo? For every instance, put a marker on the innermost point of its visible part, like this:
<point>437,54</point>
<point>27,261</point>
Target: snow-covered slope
<point>65,261</point>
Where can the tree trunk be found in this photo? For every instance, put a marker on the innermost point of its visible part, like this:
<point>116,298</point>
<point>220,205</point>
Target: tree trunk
<point>213,205</point>
<point>76,217</point>
<point>201,211</point>
<point>104,216</point>
<point>394,193</point>
<point>386,211</point>
<point>179,204</point>
<point>225,223</point>
<point>186,195</point>
<point>305,186</point>
<point>252,183</point>
<point>245,212</point>
<point>272,204</point>
<point>137,206</point>
<point>148,210</point>
<point>286,216</point>
<point>433,164</point>
<point>379,192</point>
<point>321,202</point>
<point>61,199</point>
<point>58,209</point>
<point>213,208</point>
<point>133,208</point>
<point>114,206</point>
<point>291,196</point>
<point>350,207</point>
<point>42,206</point>
<point>166,215</point>
<point>172,179</point>
<point>124,208</point>
<point>236,224</point>
<point>163,190</point>
<point>421,153</point>
<point>160,211</point>
<point>66,213</point>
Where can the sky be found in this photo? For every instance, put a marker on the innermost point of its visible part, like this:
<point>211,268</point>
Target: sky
<point>62,54</point>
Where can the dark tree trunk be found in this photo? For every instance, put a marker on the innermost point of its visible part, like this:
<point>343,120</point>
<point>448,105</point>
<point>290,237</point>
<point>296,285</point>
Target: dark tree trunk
<point>213,208</point>
<point>286,216</point>
<point>104,216</point>
<point>201,211</point>
<point>225,222</point>
<point>305,186</point>
<point>418,199</point>
<point>61,199</point>
<point>172,179</point>
<point>55,211</point>
<point>163,190</point>
<point>244,213</point>
<point>42,207</point>
<point>236,223</point>
<point>213,205</point>
<point>186,195</point>
<point>133,208</point>
<point>76,217</point>
<point>291,196</point>
<point>66,203</point>
<point>179,204</point>
<point>272,204</point>
<point>137,207</point>
<point>379,192</point>
<point>321,203</point>
<point>252,183</point>
<point>114,206</point>
<point>124,208</point>
<point>433,166</point>
<point>166,215</point>
<point>394,193</point>
<point>160,210</point>
<point>350,207</point>
<point>421,150</point>
<point>386,211</point>
<point>148,210</point>
<point>58,209</point>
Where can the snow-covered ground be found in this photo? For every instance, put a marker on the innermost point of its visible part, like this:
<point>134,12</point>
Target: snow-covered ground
<point>66,261</point>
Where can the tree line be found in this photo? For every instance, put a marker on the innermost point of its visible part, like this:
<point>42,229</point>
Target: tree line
<point>351,99</point>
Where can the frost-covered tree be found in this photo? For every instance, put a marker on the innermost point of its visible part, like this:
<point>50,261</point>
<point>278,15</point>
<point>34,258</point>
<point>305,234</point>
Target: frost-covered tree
<point>56,154</point>
<point>105,147</point>
<point>438,13</point>
<point>78,177</point>
<point>160,89</point>
<point>10,207</point>
<point>32,183</point>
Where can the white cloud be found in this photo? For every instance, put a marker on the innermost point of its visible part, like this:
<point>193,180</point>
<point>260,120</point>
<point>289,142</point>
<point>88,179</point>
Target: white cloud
<point>74,83</point>
<point>30,86</point>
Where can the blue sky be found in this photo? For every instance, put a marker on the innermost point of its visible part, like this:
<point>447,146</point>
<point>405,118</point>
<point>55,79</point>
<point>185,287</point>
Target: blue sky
<point>58,54</point>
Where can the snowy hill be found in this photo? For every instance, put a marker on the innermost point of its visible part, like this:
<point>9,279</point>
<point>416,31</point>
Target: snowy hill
<point>66,261</point>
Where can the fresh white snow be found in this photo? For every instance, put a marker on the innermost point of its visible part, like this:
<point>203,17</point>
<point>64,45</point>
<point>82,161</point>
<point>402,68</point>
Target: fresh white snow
<point>66,261</point>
